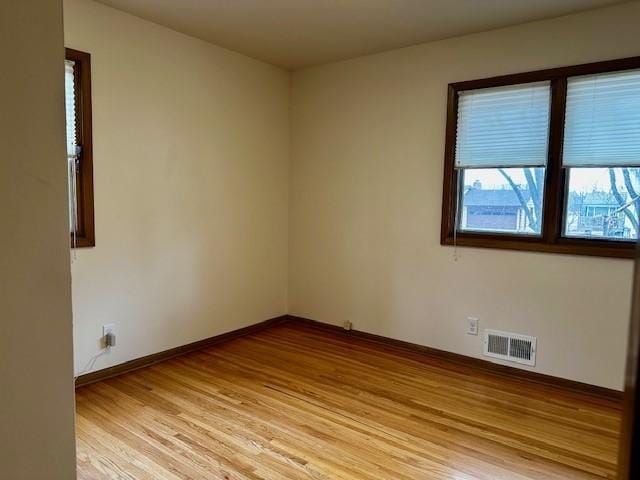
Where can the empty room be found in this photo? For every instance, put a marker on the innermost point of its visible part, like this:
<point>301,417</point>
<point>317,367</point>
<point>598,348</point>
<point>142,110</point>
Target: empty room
<point>320,239</point>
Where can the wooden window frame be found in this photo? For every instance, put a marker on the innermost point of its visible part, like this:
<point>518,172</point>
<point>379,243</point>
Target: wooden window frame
<point>85,228</point>
<point>551,238</point>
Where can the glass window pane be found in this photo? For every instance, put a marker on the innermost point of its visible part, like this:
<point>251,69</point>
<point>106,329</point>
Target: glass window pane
<point>602,203</point>
<point>502,200</point>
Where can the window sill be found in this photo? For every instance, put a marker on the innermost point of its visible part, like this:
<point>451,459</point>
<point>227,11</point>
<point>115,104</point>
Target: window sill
<point>569,246</point>
<point>83,242</point>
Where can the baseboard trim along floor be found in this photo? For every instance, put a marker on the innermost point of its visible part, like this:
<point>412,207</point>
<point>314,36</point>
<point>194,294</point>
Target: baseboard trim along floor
<point>147,360</point>
<point>494,368</point>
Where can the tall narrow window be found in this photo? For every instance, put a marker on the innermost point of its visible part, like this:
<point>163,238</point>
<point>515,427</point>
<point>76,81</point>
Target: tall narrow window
<point>79,147</point>
<point>545,161</point>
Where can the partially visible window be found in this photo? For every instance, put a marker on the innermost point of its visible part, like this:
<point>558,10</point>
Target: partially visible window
<point>79,147</point>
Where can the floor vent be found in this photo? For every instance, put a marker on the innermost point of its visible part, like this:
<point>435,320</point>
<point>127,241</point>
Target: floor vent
<point>510,346</point>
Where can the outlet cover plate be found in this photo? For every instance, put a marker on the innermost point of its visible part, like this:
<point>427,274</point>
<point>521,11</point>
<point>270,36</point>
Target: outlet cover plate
<point>472,328</point>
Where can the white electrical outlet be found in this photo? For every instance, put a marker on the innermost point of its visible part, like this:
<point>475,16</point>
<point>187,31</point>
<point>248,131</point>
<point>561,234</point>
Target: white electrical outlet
<point>472,328</point>
<point>106,329</point>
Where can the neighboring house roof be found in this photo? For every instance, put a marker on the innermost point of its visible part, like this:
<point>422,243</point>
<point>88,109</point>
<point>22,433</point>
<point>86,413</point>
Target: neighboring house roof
<point>507,197</point>
<point>502,197</point>
<point>602,198</point>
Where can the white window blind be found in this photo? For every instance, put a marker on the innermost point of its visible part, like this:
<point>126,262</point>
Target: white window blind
<point>70,103</point>
<point>503,126</point>
<point>602,122</point>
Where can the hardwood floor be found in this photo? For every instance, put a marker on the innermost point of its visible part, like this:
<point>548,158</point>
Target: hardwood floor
<point>294,402</point>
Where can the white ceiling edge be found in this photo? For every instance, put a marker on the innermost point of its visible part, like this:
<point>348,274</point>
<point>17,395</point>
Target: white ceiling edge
<point>296,34</point>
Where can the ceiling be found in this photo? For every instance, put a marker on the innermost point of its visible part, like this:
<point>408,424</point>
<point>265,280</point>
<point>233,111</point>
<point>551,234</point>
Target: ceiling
<point>299,33</point>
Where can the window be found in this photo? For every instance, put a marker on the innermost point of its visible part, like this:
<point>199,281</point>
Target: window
<point>600,203</point>
<point>545,161</point>
<point>502,200</point>
<point>79,147</point>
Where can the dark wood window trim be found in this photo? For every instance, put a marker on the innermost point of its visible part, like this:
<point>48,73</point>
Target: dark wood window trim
<point>85,232</point>
<point>551,239</point>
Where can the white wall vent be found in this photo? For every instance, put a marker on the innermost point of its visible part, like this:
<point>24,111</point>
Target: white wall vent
<point>510,346</point>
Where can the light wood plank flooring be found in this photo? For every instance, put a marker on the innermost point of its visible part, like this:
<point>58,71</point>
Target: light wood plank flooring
<point>294,402</point>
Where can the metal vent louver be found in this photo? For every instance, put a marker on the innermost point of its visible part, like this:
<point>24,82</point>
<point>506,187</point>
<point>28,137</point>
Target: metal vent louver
<point>510,346</point>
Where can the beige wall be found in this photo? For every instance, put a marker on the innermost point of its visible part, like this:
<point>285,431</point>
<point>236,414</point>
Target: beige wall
<point>191,185</point>
<point>36,369</point>
<point>366,186</point>
<point>191,179</point>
